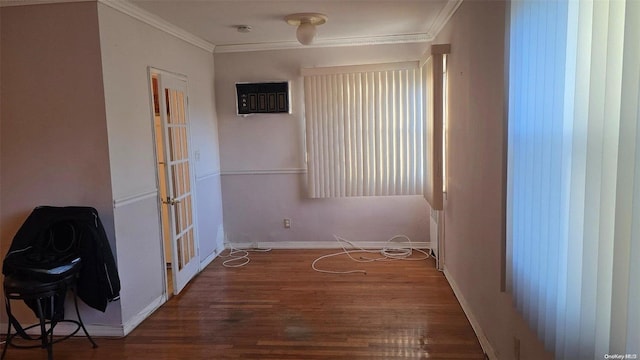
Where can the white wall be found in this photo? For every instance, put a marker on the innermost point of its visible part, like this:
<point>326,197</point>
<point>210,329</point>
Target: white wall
<point>129,47</point>
<point>53,131</point>
<point>262,158</point>
<point>474,223</point>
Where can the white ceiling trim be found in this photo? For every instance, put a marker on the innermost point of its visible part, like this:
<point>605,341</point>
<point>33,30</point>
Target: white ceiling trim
<point>443,17</point>
<point>133,11</point>
<point>138,13</point>
<point>284,45</point>
<point>4,3</point>
<point>159,23</point>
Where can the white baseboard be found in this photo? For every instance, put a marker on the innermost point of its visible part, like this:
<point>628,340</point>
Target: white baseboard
<point>210,258</point>
<point>99,330</point>
<point>301,245</point>
<point>482,338</point>
<point>63,329</point>
<point>142,315</point>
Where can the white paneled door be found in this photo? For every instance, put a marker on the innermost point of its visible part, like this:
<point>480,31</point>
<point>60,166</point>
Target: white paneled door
<point>177,197</point>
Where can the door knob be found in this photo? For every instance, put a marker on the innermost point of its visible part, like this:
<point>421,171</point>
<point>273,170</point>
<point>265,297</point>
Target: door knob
<point>170,201</point>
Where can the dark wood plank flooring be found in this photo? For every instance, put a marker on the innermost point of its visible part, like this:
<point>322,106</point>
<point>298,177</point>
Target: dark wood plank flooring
<point>277,307</point>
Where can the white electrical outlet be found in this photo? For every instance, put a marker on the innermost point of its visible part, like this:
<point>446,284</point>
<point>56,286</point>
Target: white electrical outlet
<point>287,223</point>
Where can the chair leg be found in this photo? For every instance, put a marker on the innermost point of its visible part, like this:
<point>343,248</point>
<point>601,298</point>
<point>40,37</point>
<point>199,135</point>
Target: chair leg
<point>75,302</point>
<point>7,340</point>
<point>53,325</point>
<point>44,336</point>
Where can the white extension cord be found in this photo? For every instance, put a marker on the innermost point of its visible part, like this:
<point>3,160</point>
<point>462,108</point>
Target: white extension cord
<point>239,257</point>
<point>395,250</point>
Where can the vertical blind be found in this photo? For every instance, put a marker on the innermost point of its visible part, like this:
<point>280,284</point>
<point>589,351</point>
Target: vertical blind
<point>364,129</point>
<point>574,174</point>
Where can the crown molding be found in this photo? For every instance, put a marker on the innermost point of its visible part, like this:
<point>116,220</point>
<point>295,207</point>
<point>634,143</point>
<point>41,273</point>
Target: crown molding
<point>135,12</point>
<point>138,13</point>
<point>4,3</point>
<point>320,43</point>
<point>157,22</point>
<point>441,20</point>
<point>443,17</point>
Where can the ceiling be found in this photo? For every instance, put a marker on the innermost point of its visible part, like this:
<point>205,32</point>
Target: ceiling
<point>212,24</point>
<point>350,22</point>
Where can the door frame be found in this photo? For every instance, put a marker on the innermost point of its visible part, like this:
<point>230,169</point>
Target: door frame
<point>151,71</point>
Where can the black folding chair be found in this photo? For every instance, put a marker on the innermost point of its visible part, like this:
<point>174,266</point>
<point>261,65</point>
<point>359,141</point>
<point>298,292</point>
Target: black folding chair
<point>43,263</point>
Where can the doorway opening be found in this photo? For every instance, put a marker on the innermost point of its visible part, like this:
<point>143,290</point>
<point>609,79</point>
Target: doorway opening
<point>162,184</point>
<point>174,179</point>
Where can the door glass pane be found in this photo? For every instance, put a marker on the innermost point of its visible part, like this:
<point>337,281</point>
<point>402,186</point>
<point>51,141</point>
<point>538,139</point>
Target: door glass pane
<point>167,98</point>
<point>180,259</point>
<point>185,148</point>
<point>185,253</point>
<point>174,179</point>
<point>192,250</point>
<point>183,217</point>
<point>178,223</point>
<point>179,106</point>
<point>178,138</point>
<point>171,140</point>
<point>189,213</point>
<point>183,178</point>
<point>187,183</point>
<point>177,183</point>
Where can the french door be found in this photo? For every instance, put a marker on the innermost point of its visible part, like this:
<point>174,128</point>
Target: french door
<point>172,96</point>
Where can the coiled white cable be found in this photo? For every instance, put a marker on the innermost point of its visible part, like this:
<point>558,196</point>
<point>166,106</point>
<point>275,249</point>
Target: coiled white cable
<point>395,250</point>
<point>239,257</point>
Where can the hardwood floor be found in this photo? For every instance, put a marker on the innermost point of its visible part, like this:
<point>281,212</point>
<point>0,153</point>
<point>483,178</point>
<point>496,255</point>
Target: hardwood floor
<point>277,307</point>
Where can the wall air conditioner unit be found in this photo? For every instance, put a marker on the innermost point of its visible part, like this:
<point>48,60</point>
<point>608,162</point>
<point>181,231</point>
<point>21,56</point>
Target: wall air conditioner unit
<point>263,98</point>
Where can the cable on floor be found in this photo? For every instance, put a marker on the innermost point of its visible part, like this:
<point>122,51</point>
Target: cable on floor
<point>398,247</point>
<point>238,257</point>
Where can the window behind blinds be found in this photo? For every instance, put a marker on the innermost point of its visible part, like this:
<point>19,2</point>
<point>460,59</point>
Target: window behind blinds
<point>364,130</point>
<point>574,174</point>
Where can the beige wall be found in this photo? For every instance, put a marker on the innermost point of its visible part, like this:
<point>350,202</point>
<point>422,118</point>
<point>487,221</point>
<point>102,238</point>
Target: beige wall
<point>52,125</point>
<point>260,149</point>
<point>475,203</point>
<point>129,47</point>
<point>76,129</point>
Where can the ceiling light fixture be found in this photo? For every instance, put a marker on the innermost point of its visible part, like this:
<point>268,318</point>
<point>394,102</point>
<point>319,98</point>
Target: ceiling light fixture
<point>306,23</point>
<point>243,28</point>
